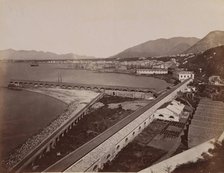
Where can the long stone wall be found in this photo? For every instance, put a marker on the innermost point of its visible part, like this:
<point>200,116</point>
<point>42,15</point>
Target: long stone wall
<point>51,140</point>
<point>94,158</point>
<point>130,94</point>
<point>121,91</point>
<point>65,85</point>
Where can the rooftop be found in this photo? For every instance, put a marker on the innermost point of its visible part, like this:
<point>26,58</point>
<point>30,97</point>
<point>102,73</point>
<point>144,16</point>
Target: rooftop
<point>207,122</point>
<point>164,105</point>
<point>153,69</point>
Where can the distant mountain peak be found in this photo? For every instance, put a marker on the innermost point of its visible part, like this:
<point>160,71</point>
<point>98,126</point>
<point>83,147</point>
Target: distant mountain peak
<point>215,32</point>
<point>212,39</point>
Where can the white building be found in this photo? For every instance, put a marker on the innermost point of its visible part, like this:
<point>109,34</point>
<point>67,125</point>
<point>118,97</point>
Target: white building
<point>170,111</point>
<point>183,75</point>
<point>189,89</point>
<point>151,71</point>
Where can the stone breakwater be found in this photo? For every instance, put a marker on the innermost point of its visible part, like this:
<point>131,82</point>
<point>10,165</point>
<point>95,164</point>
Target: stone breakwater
<point>75,99</point>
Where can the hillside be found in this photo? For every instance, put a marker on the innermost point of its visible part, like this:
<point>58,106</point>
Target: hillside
<point>212,39</point>
<point>211,62</point>
<point>159,47</point>
<point>11,54</point>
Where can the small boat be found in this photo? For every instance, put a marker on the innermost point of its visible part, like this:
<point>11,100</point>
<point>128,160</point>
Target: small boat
<point>34,64</point>
<point>13,86</point>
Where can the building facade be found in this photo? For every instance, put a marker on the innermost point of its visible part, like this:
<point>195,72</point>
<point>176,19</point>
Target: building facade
<point>183,75</point>
<point>170,111</point>
<point>151,71</point>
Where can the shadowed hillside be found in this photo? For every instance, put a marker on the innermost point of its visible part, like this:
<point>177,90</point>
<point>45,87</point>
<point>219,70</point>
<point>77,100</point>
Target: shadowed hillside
<point>158,47</point>
<point>211,62</point>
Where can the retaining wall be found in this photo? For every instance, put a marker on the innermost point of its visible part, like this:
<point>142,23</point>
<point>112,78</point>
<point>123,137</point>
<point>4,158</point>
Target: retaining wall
<point>130,94</point>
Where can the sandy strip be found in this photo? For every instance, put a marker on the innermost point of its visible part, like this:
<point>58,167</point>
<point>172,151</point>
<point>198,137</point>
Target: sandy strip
<point>65,95</point>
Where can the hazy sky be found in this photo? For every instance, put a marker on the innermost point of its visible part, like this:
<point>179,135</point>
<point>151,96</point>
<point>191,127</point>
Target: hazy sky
<point>103,27</point>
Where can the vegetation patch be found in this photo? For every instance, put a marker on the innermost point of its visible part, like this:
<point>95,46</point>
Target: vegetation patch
<point>212,164</point>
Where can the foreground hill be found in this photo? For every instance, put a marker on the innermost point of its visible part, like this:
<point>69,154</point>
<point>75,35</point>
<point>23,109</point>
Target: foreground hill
<point>212,39</point>
<point>11,54</point>
<point>159,47</point>
<point>206,64</point>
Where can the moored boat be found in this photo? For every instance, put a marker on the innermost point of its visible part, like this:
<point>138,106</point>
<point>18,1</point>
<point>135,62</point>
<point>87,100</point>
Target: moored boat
<point>14,86</point>
<point>34,64</point>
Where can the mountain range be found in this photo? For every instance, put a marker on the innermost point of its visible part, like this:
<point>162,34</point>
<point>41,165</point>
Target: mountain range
<point>173,46</point>
<point>11,54</point>
<point>159,47</point>
<point>152,48</point>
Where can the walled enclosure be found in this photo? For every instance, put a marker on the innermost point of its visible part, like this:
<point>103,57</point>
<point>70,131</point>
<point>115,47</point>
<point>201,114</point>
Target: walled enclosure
<point>109,148</point>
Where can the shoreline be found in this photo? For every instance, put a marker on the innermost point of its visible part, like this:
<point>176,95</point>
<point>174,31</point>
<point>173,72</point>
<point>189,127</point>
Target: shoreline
<point>64,95</point>
<point>37,131</point>
<point>74,106</point>
<point>33,91</point>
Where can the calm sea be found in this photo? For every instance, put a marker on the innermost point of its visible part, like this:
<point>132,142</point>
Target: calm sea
<point>50,72</point>
<point>22,114</point>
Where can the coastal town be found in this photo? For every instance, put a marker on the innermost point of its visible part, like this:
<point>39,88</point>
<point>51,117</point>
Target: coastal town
<point>161,67</point>
<point>128,65</point>
<point>169,132</point>
<point>112,86</point>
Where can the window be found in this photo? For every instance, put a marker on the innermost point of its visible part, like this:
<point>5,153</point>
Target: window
<point>118,147</point>
<point>126,140</point>
<point>144,123</point>
<point>133,133</point>
<point>139,127</point>
<point>108,156</point>
<point>171,117</point>
<point>160,115</point>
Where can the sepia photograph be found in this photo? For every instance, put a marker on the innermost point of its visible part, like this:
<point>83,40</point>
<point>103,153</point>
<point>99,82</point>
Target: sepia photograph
<point>112,86</point>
